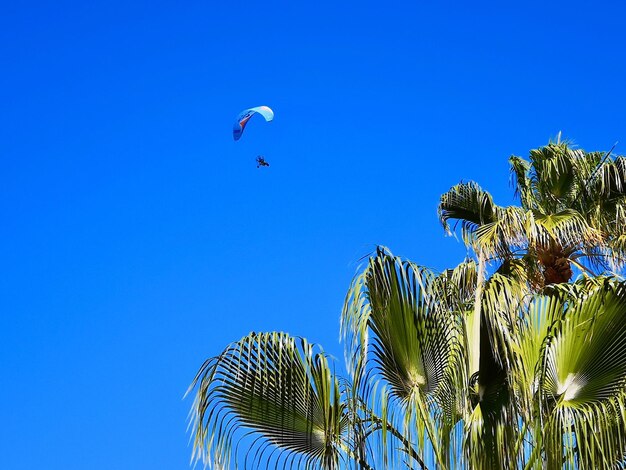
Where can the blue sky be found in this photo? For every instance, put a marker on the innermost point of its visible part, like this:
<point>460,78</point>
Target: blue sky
<point>138,239</point>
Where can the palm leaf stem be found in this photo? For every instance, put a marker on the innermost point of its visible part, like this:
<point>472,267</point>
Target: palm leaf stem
<point>533,457</point>
<point>581,267</point>
<point>359,459</point>
<point>473,329</point>
<point>421,406</point>
<point>408,448</point>
<point>521,439</point>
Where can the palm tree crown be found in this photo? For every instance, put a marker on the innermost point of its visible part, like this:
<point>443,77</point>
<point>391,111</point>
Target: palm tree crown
<point>572,211</point>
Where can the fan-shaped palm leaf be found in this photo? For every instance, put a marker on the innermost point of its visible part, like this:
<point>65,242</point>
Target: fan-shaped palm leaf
<point>554,176</point>
<point>582,379</point>
<point>568,228</point>
<point>280,389</point>
<point>584,376</point>
<point>416,343</point>
<point>469,204</point>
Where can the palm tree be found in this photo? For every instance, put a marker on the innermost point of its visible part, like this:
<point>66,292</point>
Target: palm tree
<point>573,211</point>
<point>445,370</point>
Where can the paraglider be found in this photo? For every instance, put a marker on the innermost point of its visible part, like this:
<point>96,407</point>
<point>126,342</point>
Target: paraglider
<point>246,114</point>
<point>260,161</point>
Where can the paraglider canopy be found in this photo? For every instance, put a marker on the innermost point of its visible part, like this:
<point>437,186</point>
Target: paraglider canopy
<point>246,114</point>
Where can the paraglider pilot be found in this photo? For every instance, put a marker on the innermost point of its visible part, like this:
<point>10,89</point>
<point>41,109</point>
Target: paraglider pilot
<point>260,161</point>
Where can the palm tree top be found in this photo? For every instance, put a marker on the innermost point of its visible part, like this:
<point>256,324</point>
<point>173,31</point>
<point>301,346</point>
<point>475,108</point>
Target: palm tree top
<point>572,212</point>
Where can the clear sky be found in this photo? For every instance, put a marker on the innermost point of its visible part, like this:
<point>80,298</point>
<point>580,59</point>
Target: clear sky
<point>138,239</point>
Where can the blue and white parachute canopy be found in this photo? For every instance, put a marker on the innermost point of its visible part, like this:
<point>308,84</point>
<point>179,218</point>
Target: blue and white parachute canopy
<point>246,114</point>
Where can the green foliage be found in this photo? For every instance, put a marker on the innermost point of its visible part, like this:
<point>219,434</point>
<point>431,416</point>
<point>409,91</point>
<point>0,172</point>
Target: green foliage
<point>573,207</point>
<point>281,389</point>
<point>451,370</point>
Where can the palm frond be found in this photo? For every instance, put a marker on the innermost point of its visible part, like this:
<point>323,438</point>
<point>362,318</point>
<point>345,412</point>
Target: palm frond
<point>584,377</point>
<point>468,204</point>
<point>553,175</point>
<point>492,427</point>
<point>504,235</point>
<point>278,388</point>
<point>460,283</point>
<point>415,343</point>
<point>521,181</point>
<point>567,228</point>
<point>414,338</point>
